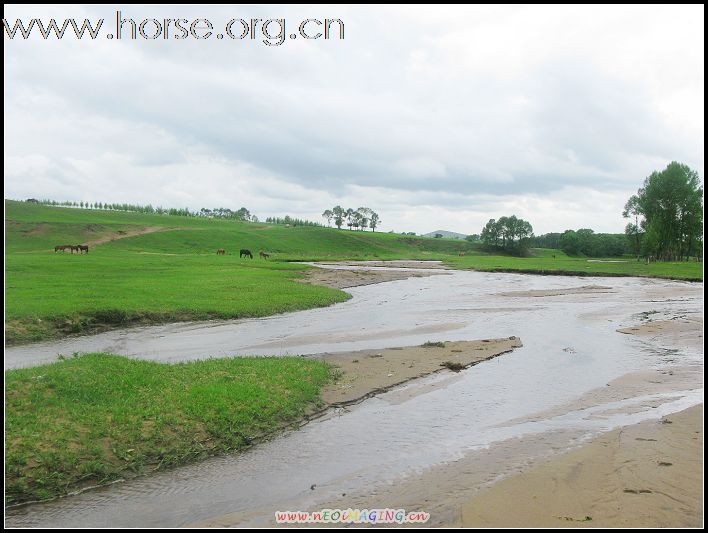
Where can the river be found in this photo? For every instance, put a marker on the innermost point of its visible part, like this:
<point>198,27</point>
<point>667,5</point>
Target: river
<point>571,348</point>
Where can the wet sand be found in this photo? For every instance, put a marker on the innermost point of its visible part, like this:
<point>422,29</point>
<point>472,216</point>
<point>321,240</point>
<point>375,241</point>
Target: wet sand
<point>343,279</point>
<point>679,330</point>
<point>585,289</point>
<point>366,373</point>
<point>646,475</point>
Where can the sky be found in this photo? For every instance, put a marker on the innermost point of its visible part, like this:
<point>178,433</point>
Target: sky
<point>435,117</point>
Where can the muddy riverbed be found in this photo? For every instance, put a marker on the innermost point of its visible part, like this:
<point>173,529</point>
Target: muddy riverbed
<point>500,415</point>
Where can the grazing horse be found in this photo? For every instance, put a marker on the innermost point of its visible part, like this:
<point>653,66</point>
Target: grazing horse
<point>221,251</point>
<point>74,248</point>
<point>83,248</point>
<point>245,253</point>
<point>461,254</point>
<point>61,247</point>
<point>263,254</point>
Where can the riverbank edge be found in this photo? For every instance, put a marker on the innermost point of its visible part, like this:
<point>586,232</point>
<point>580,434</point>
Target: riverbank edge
<point>369,369</point>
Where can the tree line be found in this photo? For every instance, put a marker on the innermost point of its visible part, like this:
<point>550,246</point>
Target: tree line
<point>354,219</point>
<point>217,212</point>
<point>667,224</point>
<point>290,221</point>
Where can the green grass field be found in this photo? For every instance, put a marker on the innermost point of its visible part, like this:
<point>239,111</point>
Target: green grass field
<point>544,262</point>
<point>95,418</point>
<point>174,274</point>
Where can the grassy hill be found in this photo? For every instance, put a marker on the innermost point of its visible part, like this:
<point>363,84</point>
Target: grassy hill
<point>144,269</point>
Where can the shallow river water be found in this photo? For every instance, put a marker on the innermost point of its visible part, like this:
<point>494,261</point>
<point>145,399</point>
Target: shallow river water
<point>570,347</point>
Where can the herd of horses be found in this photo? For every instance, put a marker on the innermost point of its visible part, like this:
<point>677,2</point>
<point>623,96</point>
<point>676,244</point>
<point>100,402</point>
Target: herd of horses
<point>81,248</point>
<point>78,248</point>
<point>244,253</point>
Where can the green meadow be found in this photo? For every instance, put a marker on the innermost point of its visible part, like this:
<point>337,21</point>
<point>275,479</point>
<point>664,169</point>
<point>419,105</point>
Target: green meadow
<point>174,274</point>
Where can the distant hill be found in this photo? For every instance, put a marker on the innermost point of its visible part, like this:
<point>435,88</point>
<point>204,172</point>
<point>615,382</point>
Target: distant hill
<point>446,234</point>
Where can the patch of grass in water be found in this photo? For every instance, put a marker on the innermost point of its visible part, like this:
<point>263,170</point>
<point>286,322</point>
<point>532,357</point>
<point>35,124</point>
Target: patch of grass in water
<point>431,344</point>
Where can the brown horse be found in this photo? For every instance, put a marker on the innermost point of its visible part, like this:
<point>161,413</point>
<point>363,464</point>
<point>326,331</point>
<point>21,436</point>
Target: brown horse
<point>221,251</point>
<point>64,248</point>
<point>83,248</point>
<point>461,254</point>
<point>263,255</point>
<point>74,248</point>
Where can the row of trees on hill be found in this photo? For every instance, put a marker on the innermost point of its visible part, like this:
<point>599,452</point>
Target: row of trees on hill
<point>287,220</point>
<point>354,219</point>
<point>217,212</point>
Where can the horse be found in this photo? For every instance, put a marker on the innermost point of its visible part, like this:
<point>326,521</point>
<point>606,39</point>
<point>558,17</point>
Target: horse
<point>263,254</point>
<point>245,253</point>
<point>61,247</point>
<point>461,254</point>
<point>74,248</point>
<point>221,251</point>
<point>83,248</point>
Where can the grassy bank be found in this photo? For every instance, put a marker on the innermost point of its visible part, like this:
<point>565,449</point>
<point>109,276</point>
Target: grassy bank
<point>50,296</point>
<point>92,419</point>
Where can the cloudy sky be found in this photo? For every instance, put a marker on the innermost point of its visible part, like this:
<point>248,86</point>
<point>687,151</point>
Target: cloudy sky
<point>435,117</point>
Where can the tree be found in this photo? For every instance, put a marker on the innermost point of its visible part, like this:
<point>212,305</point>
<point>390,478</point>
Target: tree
<point>362,216</point>
<point>349,215</point>
<point>327,215</point>
<point>490,233</point>
<point>670,205</point>
<point>374,221</point>
<point>339,215</point>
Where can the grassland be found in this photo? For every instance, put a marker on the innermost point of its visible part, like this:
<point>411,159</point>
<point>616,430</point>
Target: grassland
<point>544,261</point>
<point>95,418</point>
<point>151,268</point>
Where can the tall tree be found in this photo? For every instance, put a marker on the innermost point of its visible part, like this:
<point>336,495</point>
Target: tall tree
<point>670,205</point>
